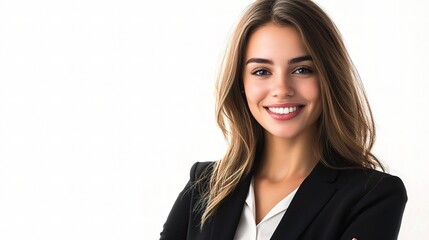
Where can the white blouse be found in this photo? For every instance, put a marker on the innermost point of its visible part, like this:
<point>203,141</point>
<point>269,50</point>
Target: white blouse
<point>247,228</point>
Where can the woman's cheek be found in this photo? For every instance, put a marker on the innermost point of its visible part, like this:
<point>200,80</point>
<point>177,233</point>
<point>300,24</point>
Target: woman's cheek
<point>255,92</point>
<point>311,90</point>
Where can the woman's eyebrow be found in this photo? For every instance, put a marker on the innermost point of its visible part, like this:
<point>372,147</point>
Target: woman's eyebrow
<point>300,59</point>
<point>259,60</point>
<point>269,61</point>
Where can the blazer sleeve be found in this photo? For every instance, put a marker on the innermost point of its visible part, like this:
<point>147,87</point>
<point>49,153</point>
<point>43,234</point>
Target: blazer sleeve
<point>378,214</point>
<point>176,225</point>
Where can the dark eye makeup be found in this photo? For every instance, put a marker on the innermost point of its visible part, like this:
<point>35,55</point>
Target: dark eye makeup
<point>260,72</point>
<point>302,70</point>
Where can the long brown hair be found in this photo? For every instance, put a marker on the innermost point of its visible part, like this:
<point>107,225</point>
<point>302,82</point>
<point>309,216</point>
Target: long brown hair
<point>346,130</point>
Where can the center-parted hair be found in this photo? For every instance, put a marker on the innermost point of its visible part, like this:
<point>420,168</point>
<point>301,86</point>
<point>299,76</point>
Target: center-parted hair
<point>346,130</point>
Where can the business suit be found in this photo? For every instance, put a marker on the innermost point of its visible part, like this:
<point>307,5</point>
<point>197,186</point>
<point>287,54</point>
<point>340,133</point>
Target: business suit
<point>330,204</point>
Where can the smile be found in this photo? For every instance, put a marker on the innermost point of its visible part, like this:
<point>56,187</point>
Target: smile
<point>281,110</point>
<point>285,112</point>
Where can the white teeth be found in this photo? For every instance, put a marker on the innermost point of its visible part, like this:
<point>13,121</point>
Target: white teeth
<point>285,110</point>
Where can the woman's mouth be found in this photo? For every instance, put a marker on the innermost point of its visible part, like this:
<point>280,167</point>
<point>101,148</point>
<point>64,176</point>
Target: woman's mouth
<point>281,110</point>
<point>284,113</point>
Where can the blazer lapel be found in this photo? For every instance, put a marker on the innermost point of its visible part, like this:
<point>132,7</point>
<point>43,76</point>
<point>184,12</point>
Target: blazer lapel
<point>228,214</point>
<point>310,198</point>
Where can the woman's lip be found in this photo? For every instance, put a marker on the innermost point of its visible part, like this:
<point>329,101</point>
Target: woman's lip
<point>283,105</point>
<point>287,116</point>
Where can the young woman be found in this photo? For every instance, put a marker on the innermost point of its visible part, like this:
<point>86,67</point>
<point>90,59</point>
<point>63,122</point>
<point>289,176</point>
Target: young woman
<point>300,131</point>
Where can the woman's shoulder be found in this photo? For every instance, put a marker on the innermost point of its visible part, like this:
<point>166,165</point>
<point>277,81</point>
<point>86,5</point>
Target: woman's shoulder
<point>200,170</point>
<point>369,180</point>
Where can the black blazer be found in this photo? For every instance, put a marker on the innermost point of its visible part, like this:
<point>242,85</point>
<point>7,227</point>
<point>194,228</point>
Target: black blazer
<point>329,204</point>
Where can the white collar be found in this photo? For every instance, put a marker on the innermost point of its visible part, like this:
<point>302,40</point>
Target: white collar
<point>278,208</point>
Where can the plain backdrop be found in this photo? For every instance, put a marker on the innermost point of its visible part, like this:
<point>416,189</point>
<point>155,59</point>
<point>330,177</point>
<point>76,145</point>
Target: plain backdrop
<point>105,105</point>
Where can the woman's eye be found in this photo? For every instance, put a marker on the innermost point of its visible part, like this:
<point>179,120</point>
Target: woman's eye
<point>302,70</point>
<point>260,72</point>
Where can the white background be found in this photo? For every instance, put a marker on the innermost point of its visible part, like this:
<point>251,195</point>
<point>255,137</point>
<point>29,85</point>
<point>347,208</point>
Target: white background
<point>105,105</point>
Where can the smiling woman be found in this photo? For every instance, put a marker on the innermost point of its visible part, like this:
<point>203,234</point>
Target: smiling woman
<point>300,130</point>
<point>280,83</point>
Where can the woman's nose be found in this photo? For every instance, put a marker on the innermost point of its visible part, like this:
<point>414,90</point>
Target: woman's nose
<point>282,87</point>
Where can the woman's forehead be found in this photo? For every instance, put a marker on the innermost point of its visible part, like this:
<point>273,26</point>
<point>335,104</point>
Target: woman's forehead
<point>275,42</point>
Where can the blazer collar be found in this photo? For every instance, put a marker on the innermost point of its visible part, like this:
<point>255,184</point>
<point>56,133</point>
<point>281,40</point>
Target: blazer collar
<point>311,196</point>
<point>228,214</point>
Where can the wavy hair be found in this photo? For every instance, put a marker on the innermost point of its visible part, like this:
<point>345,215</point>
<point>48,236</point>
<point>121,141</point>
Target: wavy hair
<point>346,131</point>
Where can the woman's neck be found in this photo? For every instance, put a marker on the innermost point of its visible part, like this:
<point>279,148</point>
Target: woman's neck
<point>284,159</point>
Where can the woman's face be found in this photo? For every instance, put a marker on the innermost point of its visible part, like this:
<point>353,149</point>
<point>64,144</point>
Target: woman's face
<point>280,82</point>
